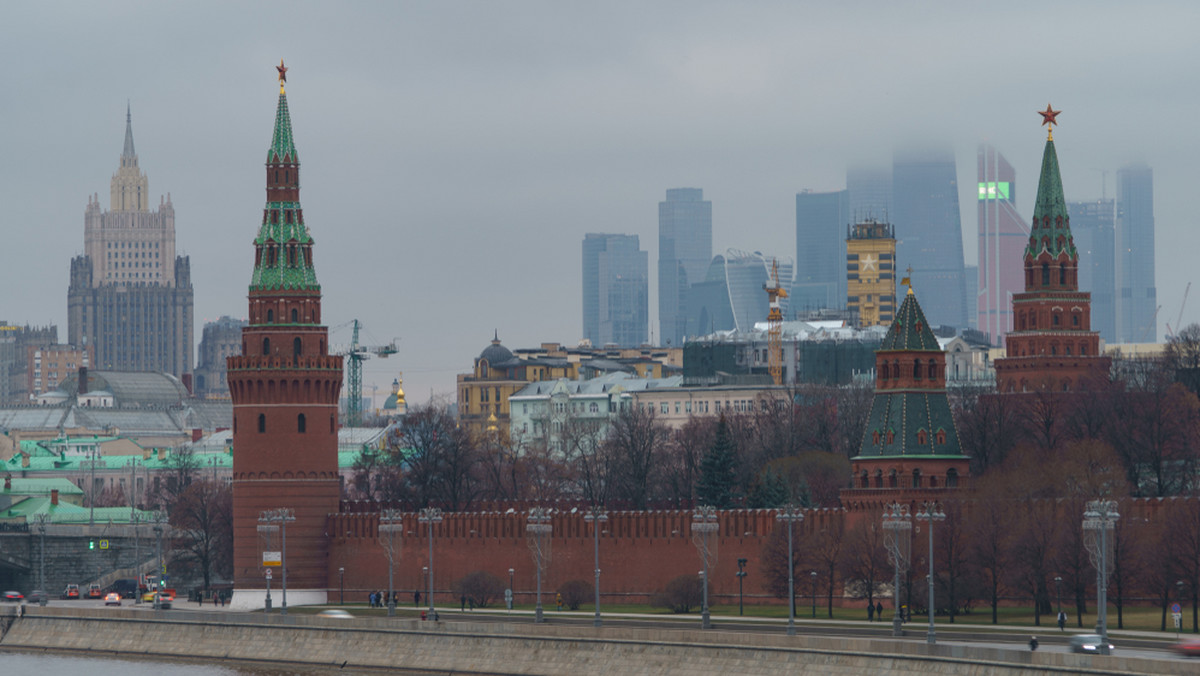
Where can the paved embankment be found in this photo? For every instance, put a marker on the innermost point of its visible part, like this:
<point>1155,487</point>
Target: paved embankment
<point>512,648</point>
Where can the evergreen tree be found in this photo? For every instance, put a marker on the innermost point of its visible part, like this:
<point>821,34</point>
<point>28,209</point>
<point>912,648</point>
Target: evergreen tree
<point>771,490</point>
<point>717,478</point>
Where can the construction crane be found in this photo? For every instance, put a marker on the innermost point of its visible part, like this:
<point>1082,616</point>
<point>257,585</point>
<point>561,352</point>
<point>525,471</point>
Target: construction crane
<point>355,355</point>
<point>1179,319</point>
<point>775,324</point>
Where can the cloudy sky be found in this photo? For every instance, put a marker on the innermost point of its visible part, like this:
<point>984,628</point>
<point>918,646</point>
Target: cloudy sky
<point>455,153</point>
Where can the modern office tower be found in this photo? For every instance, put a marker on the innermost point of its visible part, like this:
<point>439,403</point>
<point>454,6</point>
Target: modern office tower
<point>870,190</point>
<point>821,220</point>
<point>684,253</point>
<point>219,340</point>
<point>130,296</point>
<point>1093,225</point>
<point>708,307</point>
<point>285,389</point>
<point>615,290</point>
<point>871,273</point>
<point>1003,234</point>
<point>929,232</point>
<point>971,283</point>
<point>1052,347</point>
<point>745,276</point>
<point>1136,293</point>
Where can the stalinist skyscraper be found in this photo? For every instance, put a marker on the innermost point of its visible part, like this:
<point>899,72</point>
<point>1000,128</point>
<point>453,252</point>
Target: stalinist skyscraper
<point>130,296</point>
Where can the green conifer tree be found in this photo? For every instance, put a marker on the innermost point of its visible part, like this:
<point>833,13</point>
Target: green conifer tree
<point>717,477</point>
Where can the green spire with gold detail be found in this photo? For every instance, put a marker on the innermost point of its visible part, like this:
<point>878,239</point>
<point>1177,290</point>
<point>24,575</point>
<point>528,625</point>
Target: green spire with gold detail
<point>283,247</point>
<point>1050,229</point>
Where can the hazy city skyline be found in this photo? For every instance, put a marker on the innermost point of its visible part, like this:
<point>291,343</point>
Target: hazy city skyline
<point>455,154</point>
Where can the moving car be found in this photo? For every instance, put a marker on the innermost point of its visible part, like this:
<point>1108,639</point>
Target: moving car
<point>13,597</point>
<point>37,596</point>
<point>113,599</point>
<point>165,597</point>
<point>71,592</point>
<point>335,613</point>
<point>1088,644</point>
<point>1188,647</point>
<point>94,592</point>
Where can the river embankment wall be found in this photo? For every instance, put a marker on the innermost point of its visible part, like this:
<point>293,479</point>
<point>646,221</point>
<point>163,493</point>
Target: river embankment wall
<point>520,648</point>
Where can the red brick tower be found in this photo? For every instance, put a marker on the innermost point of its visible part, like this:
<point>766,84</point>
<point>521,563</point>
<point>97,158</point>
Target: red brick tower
<point>1052,346</point>
<point>285,389</point>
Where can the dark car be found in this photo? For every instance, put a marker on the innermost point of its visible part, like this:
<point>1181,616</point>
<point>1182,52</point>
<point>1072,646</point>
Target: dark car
<point>13,597</point>
<point>37,596</point>
<point>1188,647</point>
<point>126,587</point>
<point>1088,644</point>
<point>71,592</point>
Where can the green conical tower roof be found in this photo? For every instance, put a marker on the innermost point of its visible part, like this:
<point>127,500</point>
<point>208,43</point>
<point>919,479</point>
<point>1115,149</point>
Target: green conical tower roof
<point>283,146</point>
<point>910,330</point>
<point>283,259</point>
<point>1050,219</point>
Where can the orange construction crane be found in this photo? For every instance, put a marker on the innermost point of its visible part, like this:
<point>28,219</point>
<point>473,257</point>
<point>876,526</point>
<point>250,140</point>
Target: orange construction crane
<point>775,324</point>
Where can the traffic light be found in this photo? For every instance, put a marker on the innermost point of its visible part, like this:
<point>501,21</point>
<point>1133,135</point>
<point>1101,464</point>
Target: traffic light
<point>91,544</point>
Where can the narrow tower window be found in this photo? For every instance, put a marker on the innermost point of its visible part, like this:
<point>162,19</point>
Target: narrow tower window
<point>266,346</point>
<point>301,424</point>
<point>262,423</point>
<point>270,316</point>
<point>295,316</point>
<point>296,346</point>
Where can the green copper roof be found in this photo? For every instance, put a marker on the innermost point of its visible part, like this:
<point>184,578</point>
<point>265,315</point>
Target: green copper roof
<point>282,143</point>
<point>1050,218</point>
<point>910,330</point>
<point>905,414</point>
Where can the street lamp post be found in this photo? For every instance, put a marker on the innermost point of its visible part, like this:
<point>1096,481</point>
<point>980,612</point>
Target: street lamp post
<point>813,575</point>
<point>391,523</point>
<point>511,593</point>
<point>41,520</point>
<point>931,512</point>
<point>1098,521</point>
<point>741,576</point>
<point>897,537</point>
<point>1058,591</point>
<point>791,515</point>
<point>159,520</point>
<point>279,518</point>
<point>704,530</point>
<point>341,586</point>
<point>538,530</point>
<point>430,516</point>
<point>134,519</point>
<point>596,516</point>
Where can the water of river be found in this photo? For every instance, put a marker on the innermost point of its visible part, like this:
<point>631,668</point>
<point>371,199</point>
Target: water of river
<point>24,664</point>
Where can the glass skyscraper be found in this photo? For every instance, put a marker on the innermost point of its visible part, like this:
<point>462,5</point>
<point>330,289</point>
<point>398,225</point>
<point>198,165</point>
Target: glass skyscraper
<point>615,290</point>
<point>1136,292</point>
<point>821,222</point>
<point>684,254</point>
<point>1003,234</point>
<point>929,232</point>
<point>1092,225</point>
<point>745,276</point>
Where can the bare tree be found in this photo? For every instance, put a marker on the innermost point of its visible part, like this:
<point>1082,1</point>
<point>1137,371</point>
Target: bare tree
<point>634,442</point>
<point>864,564</point>
<point>202,522</point>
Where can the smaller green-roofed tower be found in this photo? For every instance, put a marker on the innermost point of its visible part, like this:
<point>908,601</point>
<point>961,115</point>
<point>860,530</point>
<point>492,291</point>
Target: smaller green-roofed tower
<point>910,441</point>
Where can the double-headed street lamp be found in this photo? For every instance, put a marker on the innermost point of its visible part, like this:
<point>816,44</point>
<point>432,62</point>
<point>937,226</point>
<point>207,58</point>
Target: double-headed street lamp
<point>791,515</point>
<point>596,516</point>
<point>341,586</point>
<point>814,593</point>
<point>538,530</point>
<point>391,525</point>
<point>704,532</point>
<point>41,520</point>
<point>931,512</point>
<point>897,538</point>
<point>741,576</point>
<point>1098,522</point>
<point>268,522</point>
<point>430,516</point>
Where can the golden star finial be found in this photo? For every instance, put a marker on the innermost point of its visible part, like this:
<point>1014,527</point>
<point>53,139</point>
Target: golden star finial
<point>1048,116</point>
<point>282,75</point>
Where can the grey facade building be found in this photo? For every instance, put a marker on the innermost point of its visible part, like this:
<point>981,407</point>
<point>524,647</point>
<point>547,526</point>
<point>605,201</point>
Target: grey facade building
<point>130,296</point>
<point>684,254</point>
<point>1093,229</point>
<point>929,232</point>
<point>820,278</point>
<point>870,193</point>
<point>218,340</point>
<point>1136,291</point>
<point>15,344</point>
<point>615,290</point>
<point>708,307</point>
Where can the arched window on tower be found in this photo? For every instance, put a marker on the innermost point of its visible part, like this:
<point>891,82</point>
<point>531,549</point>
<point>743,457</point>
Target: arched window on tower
<point>295,316</point>
<point>916,369</point>
<point>932,369</point>
<point>1045,274</point>
<point>297,346</point>
<point>301,424</point>
<point>1062,274</point>
<point>262,423</point>
<point>916,478</point>
<point>922,437</point>
<point>270,316</point>
<point>893,480</point>
<point>266,346</point>
<point>941,436</point>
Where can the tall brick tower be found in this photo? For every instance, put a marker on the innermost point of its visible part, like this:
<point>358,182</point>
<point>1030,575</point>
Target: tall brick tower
<point>1052,346</point>
<point>285,388</point>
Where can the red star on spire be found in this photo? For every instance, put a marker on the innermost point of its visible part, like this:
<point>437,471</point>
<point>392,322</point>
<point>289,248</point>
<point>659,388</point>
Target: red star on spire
<point>282,71</point>
<point>1048,115</point>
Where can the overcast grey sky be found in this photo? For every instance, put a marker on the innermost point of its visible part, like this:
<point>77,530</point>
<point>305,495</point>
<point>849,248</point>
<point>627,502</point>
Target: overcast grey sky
<point>455,153</point>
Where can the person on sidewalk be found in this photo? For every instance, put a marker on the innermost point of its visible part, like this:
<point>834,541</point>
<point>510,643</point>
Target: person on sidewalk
<point>1062,621</point>
<point>870,612</point>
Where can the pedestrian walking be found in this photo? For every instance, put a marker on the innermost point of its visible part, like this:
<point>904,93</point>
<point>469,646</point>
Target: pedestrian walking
<point>870,612</point>
<point>463,602</point>
<point>879,610</point>
<point>1062,621</point>
<point>417,598</point>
